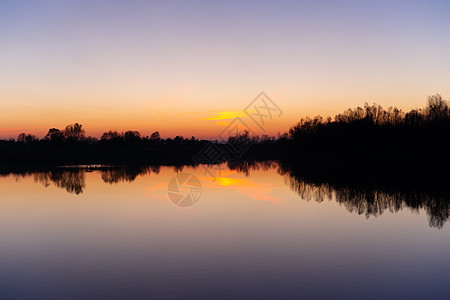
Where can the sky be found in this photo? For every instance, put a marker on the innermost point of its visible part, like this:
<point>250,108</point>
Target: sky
<point>188,67</point>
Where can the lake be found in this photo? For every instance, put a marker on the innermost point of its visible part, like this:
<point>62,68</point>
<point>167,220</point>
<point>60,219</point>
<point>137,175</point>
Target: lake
<point>246,231</point>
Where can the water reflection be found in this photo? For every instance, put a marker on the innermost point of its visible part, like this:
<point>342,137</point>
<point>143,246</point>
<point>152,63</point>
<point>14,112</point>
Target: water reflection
<point>126,173</point>
<point>247,166</point>
<point>369,198</point>
<point>73,181</point>
<point>374,198</point>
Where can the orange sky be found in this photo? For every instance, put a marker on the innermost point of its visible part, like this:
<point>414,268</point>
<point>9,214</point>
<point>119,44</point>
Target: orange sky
<point>172,119</point>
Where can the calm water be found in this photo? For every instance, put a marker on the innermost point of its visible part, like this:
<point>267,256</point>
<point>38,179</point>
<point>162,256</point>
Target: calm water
<point>254,232</point>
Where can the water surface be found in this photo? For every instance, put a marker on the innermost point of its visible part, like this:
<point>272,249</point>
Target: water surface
<point>255,231</point>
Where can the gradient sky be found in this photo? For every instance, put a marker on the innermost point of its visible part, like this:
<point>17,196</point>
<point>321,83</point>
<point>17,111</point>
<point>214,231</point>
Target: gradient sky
<point>174,66</point>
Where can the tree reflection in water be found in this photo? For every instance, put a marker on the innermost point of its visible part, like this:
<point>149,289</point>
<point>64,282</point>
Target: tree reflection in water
<point>71,180</point>
<point>373,197</point>
<point>126,173</point>
<point>370,197</point>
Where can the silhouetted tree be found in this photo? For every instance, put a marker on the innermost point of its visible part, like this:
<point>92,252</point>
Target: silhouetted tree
<point>54,135</point>
<point>91,140</point>
<point>74,133</point>
<point>156,137</point>
<point>178,139</point>
<point>26,138</point>
<point>414,118</point>
<point>437,108</point>
<point>241,138</point>
<point>132,136</point>
<point>112,136</point>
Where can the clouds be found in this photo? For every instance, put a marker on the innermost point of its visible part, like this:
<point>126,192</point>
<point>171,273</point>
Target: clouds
<point>226,115</point>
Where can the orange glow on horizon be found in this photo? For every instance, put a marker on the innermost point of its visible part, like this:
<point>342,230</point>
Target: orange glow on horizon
<point>181,120</point>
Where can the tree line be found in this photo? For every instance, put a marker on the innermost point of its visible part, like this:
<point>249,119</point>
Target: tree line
<point>75,133</point>
<point>435,114</point>
<point>367,135</point>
